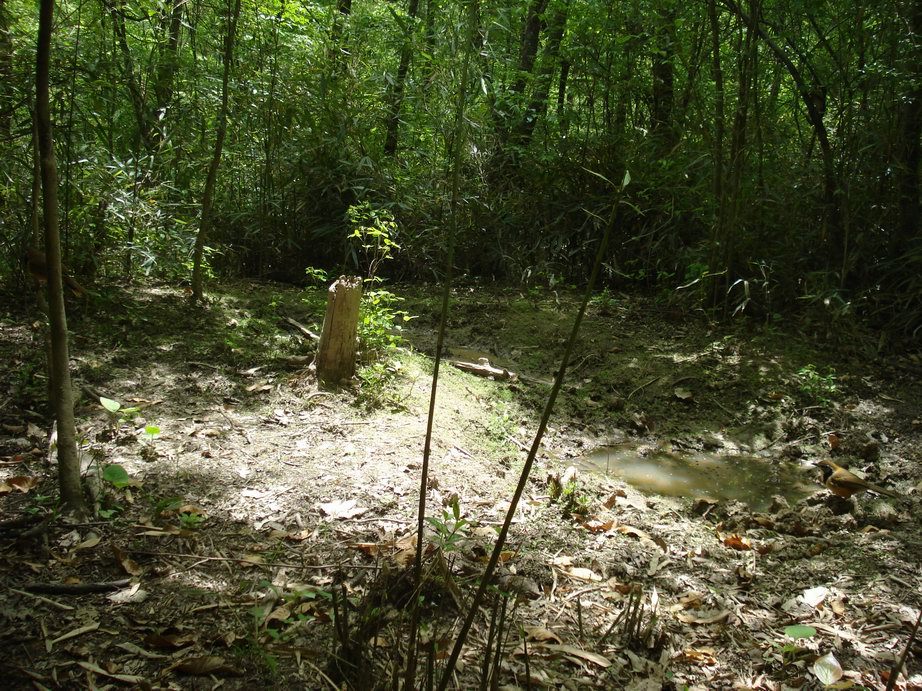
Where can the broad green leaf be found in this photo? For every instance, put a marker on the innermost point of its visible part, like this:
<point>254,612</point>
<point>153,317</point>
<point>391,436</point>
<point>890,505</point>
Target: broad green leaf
<point>627,179</point>
<point>109,404</point>
<point>799,631</point>
<point>117,475</point>
<point>152,430</point>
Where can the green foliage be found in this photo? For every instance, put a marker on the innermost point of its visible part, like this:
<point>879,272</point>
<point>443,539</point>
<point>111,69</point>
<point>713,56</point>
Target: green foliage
<point>799,631</point>
<point>317,277</point>
<point>118,415</point>
<point>305,180</point>
<point>817,388</point>
<point>380,323</point>
<point>572,500</point>
<point>373,237</point>
<point>116,475</point>
<point>191,520</point>
<point>450,528</point>
<point>789,650</point>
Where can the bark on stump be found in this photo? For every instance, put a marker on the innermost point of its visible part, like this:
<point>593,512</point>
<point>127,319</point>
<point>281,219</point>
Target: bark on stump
<point>336,351</point>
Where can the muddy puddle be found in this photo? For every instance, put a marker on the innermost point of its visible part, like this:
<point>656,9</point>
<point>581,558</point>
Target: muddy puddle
<point>702,474</point>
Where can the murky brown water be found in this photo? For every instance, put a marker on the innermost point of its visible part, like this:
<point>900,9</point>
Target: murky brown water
<point>750,480</point>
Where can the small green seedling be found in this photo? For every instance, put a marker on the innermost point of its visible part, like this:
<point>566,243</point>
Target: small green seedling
<point>796,632</point>
<point>118,414</point>
<point>151,431</point>
<point>191,521</point>
<point>815,387</point>
<point>450,528</point>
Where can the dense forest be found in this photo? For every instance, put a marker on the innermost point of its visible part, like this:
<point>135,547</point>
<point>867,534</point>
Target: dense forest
<point>773,146</point>
<point>668,254</point>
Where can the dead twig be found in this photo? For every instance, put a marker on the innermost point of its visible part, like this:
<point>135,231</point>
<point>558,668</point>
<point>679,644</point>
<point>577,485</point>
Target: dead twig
<point>898,666</point>
<point>76,588</point>
<point>303,329</point>
<point>47,601</point>
<point>643,386</point>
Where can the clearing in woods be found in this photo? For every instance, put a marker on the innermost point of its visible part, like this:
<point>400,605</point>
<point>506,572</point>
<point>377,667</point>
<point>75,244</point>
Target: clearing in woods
<point>238,502</point>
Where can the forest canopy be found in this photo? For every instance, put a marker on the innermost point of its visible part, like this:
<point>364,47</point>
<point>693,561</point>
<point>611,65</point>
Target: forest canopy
<point>773,146</point>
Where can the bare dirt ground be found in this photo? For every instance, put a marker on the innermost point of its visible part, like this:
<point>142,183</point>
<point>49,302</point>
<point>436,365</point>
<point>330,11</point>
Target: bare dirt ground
<point>254,531</point>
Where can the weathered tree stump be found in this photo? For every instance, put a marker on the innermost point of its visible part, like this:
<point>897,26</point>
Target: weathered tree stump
<point>336,351</point>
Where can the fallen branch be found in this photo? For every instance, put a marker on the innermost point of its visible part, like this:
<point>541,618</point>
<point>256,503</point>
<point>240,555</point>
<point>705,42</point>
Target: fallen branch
<point>484,369</point>
<point>47,601</point>
<point>643,386</point>
<point>303,329</point>
<point>76,588</point>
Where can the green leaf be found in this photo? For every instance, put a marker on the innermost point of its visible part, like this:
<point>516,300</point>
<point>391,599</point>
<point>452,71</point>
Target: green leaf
<point>109,404</point>
<point>116,475</point>
<point>151,430</point>
<point>799,631</point>
<point>627,179</point>
<point>827,669</point>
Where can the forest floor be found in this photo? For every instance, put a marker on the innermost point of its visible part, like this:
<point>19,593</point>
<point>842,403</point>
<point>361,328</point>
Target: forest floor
<point>671,533</point>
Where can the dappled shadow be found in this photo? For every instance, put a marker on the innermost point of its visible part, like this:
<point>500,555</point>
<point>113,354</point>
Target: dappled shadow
<point>258,493</point>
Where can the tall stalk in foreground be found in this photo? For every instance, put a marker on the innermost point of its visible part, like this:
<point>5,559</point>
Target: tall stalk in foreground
<point>487,576</point>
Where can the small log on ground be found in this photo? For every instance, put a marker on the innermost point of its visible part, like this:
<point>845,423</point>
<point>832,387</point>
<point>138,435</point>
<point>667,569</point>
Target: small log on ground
<point>483,368</point>
<point>336,351</point>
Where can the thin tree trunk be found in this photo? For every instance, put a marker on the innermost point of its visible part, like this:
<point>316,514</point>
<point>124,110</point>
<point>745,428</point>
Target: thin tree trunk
<point>166,71</point>
<point>909,153</point>
<point>68,462</point>
<point>662,128</point>
<point>6,73</point>
<point>714,260</point>
<point>206,220</point>
<point>537,107</point>
<point>528,52</point>
<point>128,73</point>
<point>395,99</point>
<point>833,237</point>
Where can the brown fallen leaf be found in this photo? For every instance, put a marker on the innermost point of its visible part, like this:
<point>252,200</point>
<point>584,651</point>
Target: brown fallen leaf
<point>127,563</point>
<point>598,526</point>
<point>541,635</point>
<point>169,640</point>
<point>579,654</point>
<point>739,542</point>
<point>703,618</point>
<point>641,535</point>
<point>205,665</point>
<point>20,483</point>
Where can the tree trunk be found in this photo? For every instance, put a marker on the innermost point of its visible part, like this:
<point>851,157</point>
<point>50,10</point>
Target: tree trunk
<point>117,12</point>
<point>68,462</point>
<point>166,70</point>
<point>336,351</point>
<point>395,100</point>
<point>537,107</point>
<point>662,128</point>
<point>908,153</point>
<point>6,73</point>
<point>206,220</point>
<point>833,237</point>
